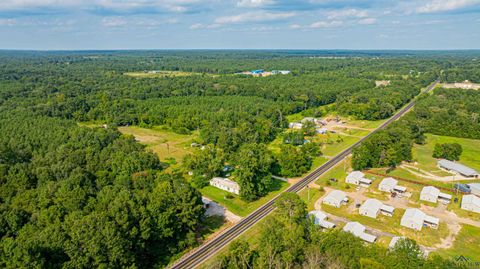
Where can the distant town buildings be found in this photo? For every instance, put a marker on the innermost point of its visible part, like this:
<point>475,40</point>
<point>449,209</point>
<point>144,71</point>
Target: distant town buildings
<point>358,230</point>
<point>462,85</point>
<point>225,184</point>
<point>415,219</point>
<point>458,168</point>
<point>336,198</point>
<point>263,73</point>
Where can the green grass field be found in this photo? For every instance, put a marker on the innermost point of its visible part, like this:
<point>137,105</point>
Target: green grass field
<point>469,157</point>
<point>238,206</point>
<point>166,144</point>
<point>466,243</point>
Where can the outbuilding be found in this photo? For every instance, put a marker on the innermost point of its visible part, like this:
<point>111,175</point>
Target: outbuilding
<point>336,198</point>
<point>358,230</point>
<point>415,219</point>
<point>471,203</point>
<point>458,168</point>
<point>320,218</point>
<point>474,188</point>
<point>225,184</point>
<point>358,178</point>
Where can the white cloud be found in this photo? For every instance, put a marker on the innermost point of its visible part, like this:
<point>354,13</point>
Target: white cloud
<point>114,22</point>
<point>347,13</point>
<point>197,26</point>
<point>254,3</point>
<point>295,26</point>
<point>434,6</point>
<point>367,21</point>
<point>254,17</point>
<point>8,22</point>
<point>326,24</point>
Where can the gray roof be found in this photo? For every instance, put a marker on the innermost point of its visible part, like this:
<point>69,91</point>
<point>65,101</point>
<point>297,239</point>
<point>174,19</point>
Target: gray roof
<point>457,167</point>
<point>336,195</point>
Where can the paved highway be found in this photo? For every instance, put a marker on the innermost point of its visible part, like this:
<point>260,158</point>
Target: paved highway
<point>209,248</point>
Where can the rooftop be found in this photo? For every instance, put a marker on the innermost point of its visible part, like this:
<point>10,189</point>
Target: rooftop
<point>457,167</point>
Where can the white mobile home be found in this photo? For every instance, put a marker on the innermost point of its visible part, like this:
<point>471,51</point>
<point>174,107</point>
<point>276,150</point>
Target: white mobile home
<point>336,198</point>
<point>432,194</point>
<point>471,203</point>
<point>358,178</point>
<point>372,207</point>
<point>415,219</point>
<point>225,184</point>
<point>320,218</point>
<point>358,230</point>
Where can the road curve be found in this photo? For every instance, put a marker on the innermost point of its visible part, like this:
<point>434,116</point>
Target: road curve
<point>209,248</point>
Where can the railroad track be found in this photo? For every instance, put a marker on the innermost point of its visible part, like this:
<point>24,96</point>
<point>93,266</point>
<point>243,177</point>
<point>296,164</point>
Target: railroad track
<point>209,248</point>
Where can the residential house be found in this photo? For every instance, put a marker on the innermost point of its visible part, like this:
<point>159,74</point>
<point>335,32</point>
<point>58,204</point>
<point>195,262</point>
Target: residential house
<point>415,219</point>
<point>358,230</point>
<point>225,184</point>
<point>358,178</point>
<point>390,184</point>
<point>432,194</point>
<point>336,198</point>
<point>372,207</point>
<point>471,203</point>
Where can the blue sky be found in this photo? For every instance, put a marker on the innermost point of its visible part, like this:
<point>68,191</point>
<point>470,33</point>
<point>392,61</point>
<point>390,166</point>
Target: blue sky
<point>247,24</point>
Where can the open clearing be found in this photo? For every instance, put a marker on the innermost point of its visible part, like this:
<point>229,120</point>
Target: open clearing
<point>164,143</point>
<point>466,244</point>
<point>160,74</point>
<point>469,157</point>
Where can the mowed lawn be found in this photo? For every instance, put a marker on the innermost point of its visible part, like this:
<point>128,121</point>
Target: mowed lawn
<point>467,243</point>
<point>166,144</point>
<point>469,157</point>
<point>238,206</point>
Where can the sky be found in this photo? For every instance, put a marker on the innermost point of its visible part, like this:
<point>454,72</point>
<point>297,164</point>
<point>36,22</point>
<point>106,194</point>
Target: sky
<point>239,24</point>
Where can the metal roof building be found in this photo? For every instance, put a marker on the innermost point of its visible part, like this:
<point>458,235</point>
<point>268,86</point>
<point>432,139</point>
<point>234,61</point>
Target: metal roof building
<point>358,230</point>
<point>415,219</point>
<point>335,198</point>
<point>471,203</point>
<point>474,188</point>
<point>357,178</point>
<point>458,168</point>
<point>387,184</point>
<point>320,218</point>
<point>225,184</point>
<point>432,194</point>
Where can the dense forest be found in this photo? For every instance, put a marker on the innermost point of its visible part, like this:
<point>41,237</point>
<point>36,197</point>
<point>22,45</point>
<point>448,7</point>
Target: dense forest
<point>73,196</point>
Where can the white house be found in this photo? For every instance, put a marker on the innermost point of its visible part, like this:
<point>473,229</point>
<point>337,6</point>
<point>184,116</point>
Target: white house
<point>458,168</point>
<point>225,184</point>
<point>295,125</point>
<point>471,203</point>
<point>320,218</point>
<point>358,230</point>
<point>415,219</point>
<point>389,184</point>
<point>336,198</point>
<point>358,178</point>
<point>371,208</point>
<point>432,194</point>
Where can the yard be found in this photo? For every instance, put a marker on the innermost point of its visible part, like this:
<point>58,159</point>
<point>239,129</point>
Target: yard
<point>467,243</point>
<point>423,153</point>
<point>238,206</point>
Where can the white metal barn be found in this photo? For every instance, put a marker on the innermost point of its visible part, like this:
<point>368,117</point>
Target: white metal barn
<point>320,218</point>
<point>471,203</point>
<point>358,178</point>
<point>415,219</point>
<point>372,207</point>
<point>358,230</point>
<point>336,198</point>
<point>225,184</point>
<point>458,168</point>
